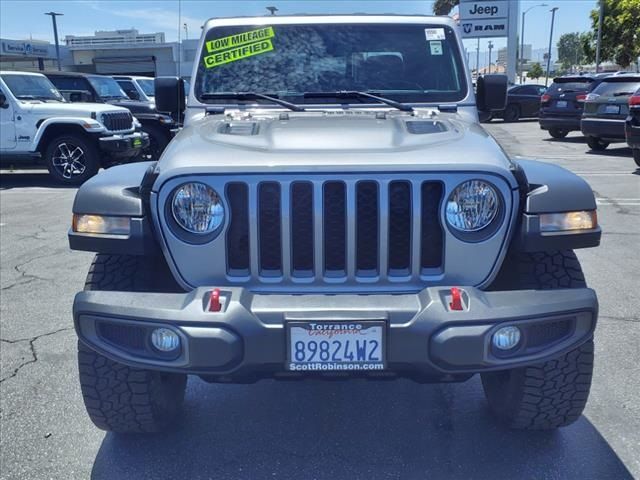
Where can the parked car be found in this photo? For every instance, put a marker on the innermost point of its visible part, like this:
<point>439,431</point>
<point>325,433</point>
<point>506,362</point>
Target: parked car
<point>606,109</point>
<point>632,126</point>
<point>84,87</point>
<point>329,232</point>
<point>73,140</point>
<point>136,87</point>
<point>562,104</point>
<point>523,101</point>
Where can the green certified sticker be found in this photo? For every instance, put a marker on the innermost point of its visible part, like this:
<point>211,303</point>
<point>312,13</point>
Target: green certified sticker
<point>236,47</point>
<point>137,142</point>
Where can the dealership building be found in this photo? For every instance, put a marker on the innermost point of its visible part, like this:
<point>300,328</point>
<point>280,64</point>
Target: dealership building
<point>118,52</point>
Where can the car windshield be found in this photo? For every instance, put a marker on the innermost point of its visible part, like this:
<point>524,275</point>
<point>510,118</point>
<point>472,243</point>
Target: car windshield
<point>107,87</point>
<point>403,62</point>
<point>146,84</point>
<point>617,88</point>
<point>32,87</point>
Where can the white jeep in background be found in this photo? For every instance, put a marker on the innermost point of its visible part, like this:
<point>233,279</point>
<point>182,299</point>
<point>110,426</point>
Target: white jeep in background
<point>73,139</point>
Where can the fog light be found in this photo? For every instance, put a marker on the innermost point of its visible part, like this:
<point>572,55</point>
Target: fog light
<point>165,340</point>
<point>506,338</point>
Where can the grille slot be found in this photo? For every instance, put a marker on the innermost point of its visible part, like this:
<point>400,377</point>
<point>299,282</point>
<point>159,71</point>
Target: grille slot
<point>399,227</point>
<point>335,228</point>
<point>127,336</point>
<point>331,231</point>
<point>302,228</point>
<point>117,121</point>
<point>238,232</point>
<point>269,228</point>
<point>431,248</point>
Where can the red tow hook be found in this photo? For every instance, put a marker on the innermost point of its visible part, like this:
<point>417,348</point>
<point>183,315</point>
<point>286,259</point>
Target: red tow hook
<point>456,299</point>
<point>214,301</point>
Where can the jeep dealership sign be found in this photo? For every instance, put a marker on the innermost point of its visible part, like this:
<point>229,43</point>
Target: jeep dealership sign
<point>479,18</point>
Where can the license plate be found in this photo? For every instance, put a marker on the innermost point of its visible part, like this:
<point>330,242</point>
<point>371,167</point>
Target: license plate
<point>137,142</point>
<point>336,346</point>
<point>614,109</point>
<point>561,104</point>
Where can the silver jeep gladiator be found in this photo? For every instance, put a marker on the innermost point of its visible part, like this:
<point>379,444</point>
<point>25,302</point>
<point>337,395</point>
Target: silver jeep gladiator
<point>333,209</point>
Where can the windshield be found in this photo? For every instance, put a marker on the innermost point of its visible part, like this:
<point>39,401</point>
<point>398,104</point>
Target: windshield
<point>146,84</point>
<point>617,88</point>
<point>32,87</point>
<point>403,62</point>
<point>107,87</point>
<point>569,87</point>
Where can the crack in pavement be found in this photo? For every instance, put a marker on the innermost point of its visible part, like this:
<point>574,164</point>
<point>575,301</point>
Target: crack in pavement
<point>32,349</point>
<point>34,236</point>
<point>621,319</point>
<point>28,276</point>
<point>614,203</point>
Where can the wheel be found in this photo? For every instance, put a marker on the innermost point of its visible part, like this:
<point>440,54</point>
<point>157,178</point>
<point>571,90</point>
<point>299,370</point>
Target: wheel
<point>511,113</point>
<point>636,156</point>
<point>72,159</point>
<point>558,132</point>
<point>554,393</point>
<point>119,398</point>
<point>158,140</point>
<point>597,144</point>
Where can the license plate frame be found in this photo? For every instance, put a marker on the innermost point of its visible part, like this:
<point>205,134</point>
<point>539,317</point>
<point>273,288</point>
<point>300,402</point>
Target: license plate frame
<point>612,109</point>
<point>339,365</point>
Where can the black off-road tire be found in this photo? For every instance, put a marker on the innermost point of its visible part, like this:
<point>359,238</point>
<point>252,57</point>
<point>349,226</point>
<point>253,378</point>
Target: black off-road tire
<point>554,393</point>
<point>90,158</point>
<point>158,141</point>
<point>511,113</point>
<point>636,156</point>
<point>596,144</point>
<point>119,398</point>
<point>558,132</point>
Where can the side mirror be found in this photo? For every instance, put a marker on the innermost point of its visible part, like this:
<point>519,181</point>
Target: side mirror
<point>491,93</point>
<point>170,96</point>
<point>3,101</point>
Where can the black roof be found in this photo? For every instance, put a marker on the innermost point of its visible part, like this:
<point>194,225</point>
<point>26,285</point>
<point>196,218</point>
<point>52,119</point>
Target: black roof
<point>56,73</point>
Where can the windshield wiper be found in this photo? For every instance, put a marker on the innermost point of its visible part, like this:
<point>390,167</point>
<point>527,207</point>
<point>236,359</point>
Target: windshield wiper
<point>252,96</point>
<point>356,94</point>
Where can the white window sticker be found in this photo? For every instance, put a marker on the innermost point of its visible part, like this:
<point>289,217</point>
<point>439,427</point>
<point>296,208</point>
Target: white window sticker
<point>434,33</point>
<point>436,47</point>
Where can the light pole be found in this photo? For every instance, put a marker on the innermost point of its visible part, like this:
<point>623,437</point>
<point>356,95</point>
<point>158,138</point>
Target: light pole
<point>273,10</point>
<point>600,20</point>
<point>53,16</point>
<point>490,48</point>
<point>522,40</point>
<point>553,17</point>
<point>186,31</point>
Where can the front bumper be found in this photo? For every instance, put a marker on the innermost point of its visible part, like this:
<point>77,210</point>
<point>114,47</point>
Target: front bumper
<point>606,129</point>
<point>424,338</point>
<point>124,146</point>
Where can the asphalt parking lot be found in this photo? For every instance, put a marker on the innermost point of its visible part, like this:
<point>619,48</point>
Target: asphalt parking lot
<point>304,430</point>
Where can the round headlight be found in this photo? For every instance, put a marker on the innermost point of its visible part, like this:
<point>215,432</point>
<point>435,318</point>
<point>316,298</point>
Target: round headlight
<point>472,206</point>
<point>197,208</point>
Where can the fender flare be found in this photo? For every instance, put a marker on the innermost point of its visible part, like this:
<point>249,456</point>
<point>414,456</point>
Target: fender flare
<point>82,122</point>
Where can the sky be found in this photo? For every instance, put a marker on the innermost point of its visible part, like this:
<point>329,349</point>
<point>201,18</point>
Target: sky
<point>24,19</point>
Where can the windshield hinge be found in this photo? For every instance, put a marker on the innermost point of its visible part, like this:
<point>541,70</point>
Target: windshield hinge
<point>215,110</point>
<point>448,108</point>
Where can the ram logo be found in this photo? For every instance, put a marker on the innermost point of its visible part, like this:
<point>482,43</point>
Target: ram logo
<point>467,27</point>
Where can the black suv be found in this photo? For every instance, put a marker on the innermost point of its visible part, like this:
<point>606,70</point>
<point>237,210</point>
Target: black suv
<point>606,110</point>
<point>562,104</point>
<point>632,126</point>
<point>83,87</point>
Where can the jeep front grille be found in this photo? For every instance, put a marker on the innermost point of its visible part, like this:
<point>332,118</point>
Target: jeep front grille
<point>334,231</point>
<point>117,121</point>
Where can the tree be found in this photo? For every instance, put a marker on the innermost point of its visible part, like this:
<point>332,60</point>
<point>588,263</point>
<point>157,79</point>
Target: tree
<point>444,7</point>
<point>570,50</point>
<point>620,32</point>
<point>535,71</point>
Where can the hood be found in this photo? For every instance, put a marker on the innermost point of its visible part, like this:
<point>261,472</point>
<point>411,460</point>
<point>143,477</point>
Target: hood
<point>135,106</point>
<point>56,109</point>
<point>333,141</point>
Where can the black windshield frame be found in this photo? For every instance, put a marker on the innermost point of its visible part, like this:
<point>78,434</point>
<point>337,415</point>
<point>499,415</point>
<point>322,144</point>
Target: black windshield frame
<point>455,74</point>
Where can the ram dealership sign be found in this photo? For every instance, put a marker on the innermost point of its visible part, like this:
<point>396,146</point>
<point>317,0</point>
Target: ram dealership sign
<point>480,18</point>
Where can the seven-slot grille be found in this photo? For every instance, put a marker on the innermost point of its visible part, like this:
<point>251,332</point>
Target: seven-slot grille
<point>117,121</point>
<point>332,231</point>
